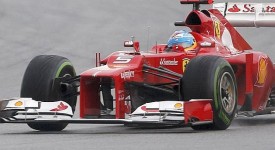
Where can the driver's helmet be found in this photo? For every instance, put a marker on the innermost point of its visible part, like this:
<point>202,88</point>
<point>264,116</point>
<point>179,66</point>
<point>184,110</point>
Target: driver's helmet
<point>183,38</point>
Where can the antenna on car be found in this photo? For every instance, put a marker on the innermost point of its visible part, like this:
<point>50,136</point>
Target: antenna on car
<point>156,47</point>
<point>148,37</point>
<point>133,38</point>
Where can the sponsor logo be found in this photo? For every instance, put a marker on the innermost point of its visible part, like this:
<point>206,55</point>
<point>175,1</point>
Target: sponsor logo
<point>269,9</point>
<point>217,28</point>
<point>178,105</point>
<point>18,103</point>
<point>121,94</point>
<point>165,62</point>
<point>262,71</point>
<point>185,61</point>
<point>60,107</point>
<point>205,44</point>
<point>128,43</point>
<point>235,8</point>
<point>127,74</point>
<point>144,108</point>
<point>251,8</point>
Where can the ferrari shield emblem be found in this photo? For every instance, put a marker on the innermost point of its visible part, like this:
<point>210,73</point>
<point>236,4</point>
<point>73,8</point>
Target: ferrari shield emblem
<point>217,29</point>
<point>262,71</point>
<point>185,61</point>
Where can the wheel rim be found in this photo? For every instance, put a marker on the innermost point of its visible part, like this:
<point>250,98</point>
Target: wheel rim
<point>227,93</point>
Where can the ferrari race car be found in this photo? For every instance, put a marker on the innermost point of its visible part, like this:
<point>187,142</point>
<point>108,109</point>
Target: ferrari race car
<point>204,86</point>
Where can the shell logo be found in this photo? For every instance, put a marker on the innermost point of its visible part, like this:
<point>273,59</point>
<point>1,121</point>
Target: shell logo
<point>178,105</point>
<point>262,71</point>
<point>18,103</point>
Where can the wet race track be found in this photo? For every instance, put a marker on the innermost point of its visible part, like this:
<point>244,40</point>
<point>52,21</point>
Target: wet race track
<point>79,29</point>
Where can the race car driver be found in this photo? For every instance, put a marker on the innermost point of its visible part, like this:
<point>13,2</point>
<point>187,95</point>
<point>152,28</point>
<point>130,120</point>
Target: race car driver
<point>181,38</point>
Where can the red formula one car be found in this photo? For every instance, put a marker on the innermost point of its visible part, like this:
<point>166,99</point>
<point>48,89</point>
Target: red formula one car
<point>202,85</point>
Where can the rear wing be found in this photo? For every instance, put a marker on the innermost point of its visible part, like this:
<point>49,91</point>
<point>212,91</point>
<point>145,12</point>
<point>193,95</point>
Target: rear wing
<point>248,14</point>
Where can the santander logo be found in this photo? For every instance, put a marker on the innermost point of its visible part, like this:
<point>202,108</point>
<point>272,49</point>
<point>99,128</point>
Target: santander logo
<point>235,8</point>
<point>60,107</point>
<point>251,7</point>
<point>165,62</point>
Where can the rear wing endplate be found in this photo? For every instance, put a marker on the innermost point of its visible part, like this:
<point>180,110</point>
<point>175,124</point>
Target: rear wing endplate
<point>248,14</point>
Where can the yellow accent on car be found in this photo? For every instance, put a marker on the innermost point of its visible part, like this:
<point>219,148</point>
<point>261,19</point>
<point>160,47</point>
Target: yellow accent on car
<point>262,71</point>
<point>217,29</point>
<point>191,47</point>
<point>18,103</point>
<point>178,105</point>
<point>185,62</point>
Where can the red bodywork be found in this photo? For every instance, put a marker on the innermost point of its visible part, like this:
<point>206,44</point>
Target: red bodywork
<point>254,70</point>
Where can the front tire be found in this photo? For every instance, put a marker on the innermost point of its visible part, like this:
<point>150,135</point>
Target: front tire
<point>37,84</point>
<point>212,77</point>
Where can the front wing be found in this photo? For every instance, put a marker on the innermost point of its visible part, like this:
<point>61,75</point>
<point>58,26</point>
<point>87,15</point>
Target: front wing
<point>165,113</point>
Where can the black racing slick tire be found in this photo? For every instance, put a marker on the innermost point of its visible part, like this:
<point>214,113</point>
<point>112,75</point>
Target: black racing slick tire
<point>38,82</point>
<point>212,77</point>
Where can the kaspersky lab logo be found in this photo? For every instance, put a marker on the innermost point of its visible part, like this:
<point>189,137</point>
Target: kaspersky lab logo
<point>165,62</point>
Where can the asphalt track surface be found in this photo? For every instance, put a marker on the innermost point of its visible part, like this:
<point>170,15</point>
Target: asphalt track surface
<point>79,29</point>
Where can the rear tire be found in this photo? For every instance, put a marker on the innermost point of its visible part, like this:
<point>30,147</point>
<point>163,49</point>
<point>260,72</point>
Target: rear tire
<point>212,77</point>
<point>37,84</point>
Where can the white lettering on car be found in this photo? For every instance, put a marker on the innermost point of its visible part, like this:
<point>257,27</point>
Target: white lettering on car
<point>165,62</point>
<point>127,74</point>
<point>122,60</point>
